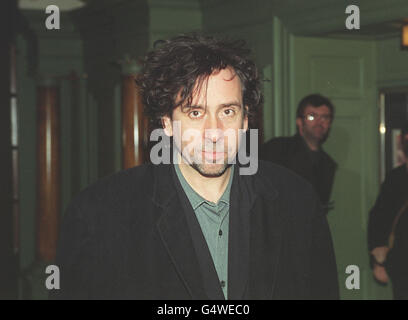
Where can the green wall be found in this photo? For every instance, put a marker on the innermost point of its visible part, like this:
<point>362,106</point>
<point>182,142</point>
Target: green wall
<point>392,63</point>
<point>345,71</point>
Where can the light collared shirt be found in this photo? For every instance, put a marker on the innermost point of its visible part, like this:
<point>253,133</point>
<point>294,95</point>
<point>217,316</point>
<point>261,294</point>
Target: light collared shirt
<point>214,222</point>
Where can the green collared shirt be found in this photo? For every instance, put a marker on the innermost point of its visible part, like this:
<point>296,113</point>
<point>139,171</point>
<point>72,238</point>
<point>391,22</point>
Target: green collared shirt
<point>214,220</point>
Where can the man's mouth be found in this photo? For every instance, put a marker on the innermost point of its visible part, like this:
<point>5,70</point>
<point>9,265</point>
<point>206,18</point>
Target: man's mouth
<point>213,155</point>
<point>319,129</point>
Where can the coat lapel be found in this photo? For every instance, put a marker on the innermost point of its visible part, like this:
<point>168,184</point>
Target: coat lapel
<point>239,237</point>
<point>267,225</point>
<point>175,234</point>
<point>208,272</point>
<point>271,252</point>
<point>255,237</point>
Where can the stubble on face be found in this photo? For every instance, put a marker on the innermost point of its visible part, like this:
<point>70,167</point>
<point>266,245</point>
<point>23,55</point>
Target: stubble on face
<point>202,158</point>
<point>210,171</point>
<point>316,132</point>
<point>222,90</point>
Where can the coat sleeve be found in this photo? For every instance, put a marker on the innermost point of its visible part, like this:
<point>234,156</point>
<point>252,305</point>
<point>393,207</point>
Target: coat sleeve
<point>75,257</point>
<point>324,280</point>
<point>381,217</point>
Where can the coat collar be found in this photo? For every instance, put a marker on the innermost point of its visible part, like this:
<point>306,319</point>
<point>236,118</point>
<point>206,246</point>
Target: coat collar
<point>254,185</point>
<point>163,185</point>
<point>304,149</point>
<point>174,232</point>
<point>174,228</point>
<point>249,197</point>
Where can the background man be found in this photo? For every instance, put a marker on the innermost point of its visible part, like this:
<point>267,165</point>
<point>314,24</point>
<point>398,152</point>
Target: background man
<point>198,229</point>
<point>390,215</point>
<point>303,153</point>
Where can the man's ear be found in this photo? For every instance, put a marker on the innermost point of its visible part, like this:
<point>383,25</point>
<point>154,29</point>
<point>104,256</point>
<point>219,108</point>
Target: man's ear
<point>167,126</point>
<point>299,125</point>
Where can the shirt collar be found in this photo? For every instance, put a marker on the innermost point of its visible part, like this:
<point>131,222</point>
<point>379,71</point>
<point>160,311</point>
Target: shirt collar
<point>195,199</point>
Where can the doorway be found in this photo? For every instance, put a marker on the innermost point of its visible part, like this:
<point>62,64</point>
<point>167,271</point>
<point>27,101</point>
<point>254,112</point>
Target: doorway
<point>393,112</point>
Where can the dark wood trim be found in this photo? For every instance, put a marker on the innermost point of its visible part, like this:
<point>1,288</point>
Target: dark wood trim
<point>48,172</point>
<point>134,126</point>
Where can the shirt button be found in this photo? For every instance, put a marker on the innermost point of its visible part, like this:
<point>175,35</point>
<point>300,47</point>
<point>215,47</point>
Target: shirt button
<point>222,284</point>
<point>220,233</point>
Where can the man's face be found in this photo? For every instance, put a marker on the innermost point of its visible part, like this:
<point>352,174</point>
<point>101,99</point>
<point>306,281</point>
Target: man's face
<point>315,124</point>
<point>217,111</point>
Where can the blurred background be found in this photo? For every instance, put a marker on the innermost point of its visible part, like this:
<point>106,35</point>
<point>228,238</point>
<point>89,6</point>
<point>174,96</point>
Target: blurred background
<point>71,113</point>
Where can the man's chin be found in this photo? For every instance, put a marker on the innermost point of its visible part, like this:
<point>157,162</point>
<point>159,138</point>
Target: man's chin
<point>321,138</point>
<point>211,170</point>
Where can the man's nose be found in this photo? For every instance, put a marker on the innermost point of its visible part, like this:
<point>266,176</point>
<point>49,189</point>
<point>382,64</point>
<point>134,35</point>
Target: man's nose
<point>213,129</point>
<point>320,120</point>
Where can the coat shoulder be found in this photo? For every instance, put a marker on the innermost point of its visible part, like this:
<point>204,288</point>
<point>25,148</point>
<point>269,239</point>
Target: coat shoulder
<point>290,186</point>
<point>279,142</point>
<point>277,149</point>
<point>116,190</point>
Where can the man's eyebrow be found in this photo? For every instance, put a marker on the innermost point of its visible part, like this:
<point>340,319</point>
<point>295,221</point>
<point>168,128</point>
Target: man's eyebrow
<point>192,107</point>
<point>232,103</point>
<point>195,107</point>
<point>222,105</point>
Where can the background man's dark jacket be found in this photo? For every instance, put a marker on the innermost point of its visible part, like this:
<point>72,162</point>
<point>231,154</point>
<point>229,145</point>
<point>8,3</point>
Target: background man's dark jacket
<point>392,196</point>
<point>132,236</point>
<point>294,154</point>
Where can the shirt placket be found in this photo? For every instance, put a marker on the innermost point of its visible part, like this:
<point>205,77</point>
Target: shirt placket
<point>221,247</point>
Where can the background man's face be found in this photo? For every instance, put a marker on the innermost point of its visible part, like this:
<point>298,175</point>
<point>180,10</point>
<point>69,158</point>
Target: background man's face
<point>216,108</point>
<point>316,130</point>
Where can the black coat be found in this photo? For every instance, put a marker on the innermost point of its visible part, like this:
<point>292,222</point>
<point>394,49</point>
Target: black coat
<point>133,235</point>
<point>397,259</point>
<point>392,196</point>
<point>294,154</point>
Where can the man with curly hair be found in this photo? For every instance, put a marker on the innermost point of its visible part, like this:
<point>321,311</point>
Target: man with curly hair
<point>198,228</point>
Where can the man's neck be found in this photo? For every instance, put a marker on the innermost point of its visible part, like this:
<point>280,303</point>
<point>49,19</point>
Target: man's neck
<point>311,144</point>
<point>210,188</point>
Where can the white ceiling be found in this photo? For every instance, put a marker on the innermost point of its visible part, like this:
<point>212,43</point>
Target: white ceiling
<point>63,5</point>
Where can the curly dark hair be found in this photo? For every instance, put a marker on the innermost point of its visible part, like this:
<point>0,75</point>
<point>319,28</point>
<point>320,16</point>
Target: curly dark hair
<point>175,66</point>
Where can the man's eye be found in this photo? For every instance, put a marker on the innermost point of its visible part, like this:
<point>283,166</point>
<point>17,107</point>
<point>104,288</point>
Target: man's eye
<point>229,112</point>
<point>310,117</point>
<point>195,114</point>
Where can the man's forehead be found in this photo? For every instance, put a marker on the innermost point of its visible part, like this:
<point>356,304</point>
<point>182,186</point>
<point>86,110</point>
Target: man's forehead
<point>320,109</point>
<point>221,85</point>
<point>217,77</point>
